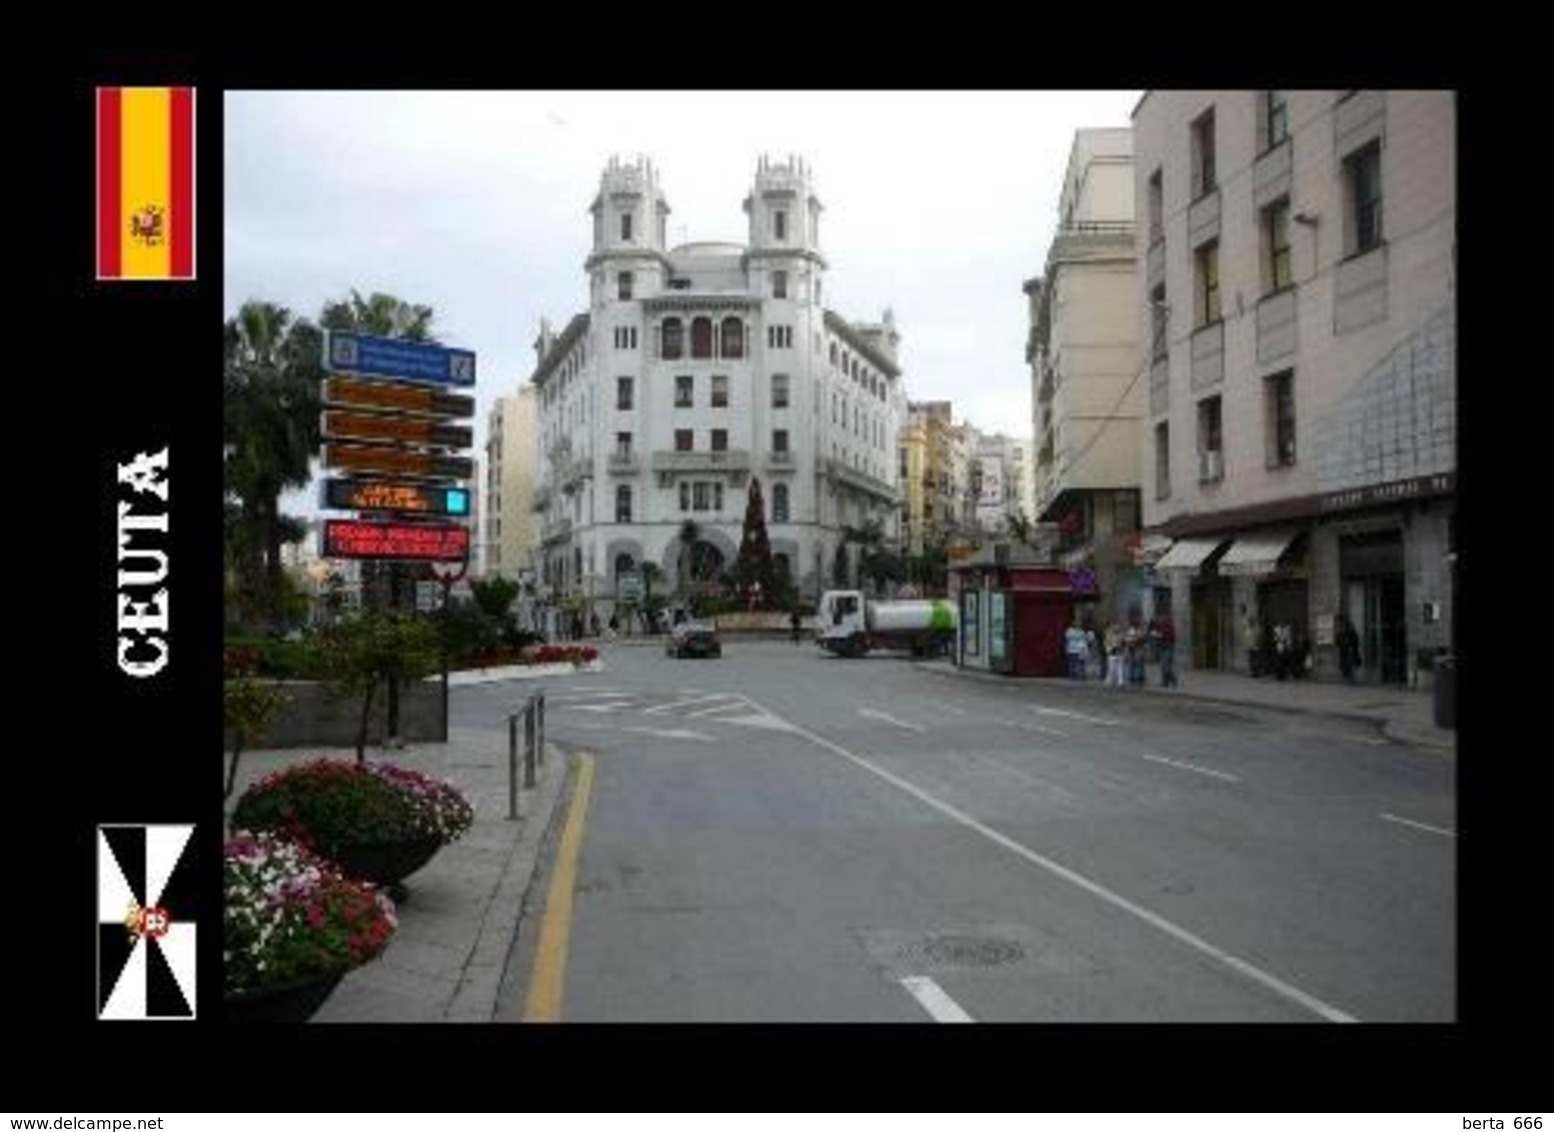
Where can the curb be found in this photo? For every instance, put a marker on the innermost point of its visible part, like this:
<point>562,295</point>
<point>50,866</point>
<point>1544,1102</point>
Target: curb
<point>1385,724</point>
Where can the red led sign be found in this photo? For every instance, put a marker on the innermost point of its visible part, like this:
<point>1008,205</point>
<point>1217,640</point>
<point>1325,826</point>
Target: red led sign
<point>352,538</point>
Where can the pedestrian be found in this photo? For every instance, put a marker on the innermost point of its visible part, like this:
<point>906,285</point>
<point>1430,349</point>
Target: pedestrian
<point>1133,647</point>
<point>1163,631</point>
<point>1114,673</point>
<point>614,626</point>
<point>593,623</point>
<point>795,622</point>
<point>1254,645</point>
<point>1348,648</point>
<point>1093,649</point>
<point>1074,646</point>
<point>1283,650</point>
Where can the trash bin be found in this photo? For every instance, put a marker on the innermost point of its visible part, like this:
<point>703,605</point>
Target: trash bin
<point>1446,691</point>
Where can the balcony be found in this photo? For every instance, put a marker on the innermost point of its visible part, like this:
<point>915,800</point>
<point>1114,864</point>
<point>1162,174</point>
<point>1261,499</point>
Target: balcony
<point>576,472</point>
<point>1211,465</point>
<point>839,473</point>
<point>542,498</point>
<point>730,460</point>
<point>780,461</point>
<point>1208,356</point>
<point>557,530</point>
<point>624,464</point>
<point>1091,239</point>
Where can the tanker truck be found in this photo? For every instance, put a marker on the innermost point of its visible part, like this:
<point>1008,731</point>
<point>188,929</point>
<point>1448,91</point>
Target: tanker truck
<point>851,625</point>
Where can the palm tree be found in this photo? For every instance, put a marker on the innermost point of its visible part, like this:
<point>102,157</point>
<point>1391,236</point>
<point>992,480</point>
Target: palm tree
<point>270,423</point>
<point>385,315</point>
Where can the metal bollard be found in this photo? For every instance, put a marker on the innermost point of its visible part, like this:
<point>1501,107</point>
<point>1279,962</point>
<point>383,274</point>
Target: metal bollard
<point>528,746</point>
<point>512,766</point>
<point>538,705</point>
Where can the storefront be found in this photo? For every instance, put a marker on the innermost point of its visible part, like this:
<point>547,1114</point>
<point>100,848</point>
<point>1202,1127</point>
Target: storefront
<point>1013,610</point>
<point>1205,634</point>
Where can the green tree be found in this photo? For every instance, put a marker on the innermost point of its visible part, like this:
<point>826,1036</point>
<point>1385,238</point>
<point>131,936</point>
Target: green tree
<point>270,427</point>
<point>494,596</point>
<point>387,316</point>
<point>754,565</point>
<point>375,649</point>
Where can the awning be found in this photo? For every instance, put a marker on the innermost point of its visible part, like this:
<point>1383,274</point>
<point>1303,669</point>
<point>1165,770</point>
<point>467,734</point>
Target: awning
<point>1257,553</point>
<point>1189,553</point>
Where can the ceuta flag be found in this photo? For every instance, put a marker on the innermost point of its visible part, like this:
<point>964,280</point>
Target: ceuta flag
<point>146,889</point>
<point>145,182</point>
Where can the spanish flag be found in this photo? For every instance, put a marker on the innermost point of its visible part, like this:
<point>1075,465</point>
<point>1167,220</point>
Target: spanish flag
<point>145,183</point>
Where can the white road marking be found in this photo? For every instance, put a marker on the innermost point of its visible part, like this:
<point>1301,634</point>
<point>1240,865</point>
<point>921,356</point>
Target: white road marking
<point>1192,767</point>
<point>735,704</point>
<point>948,707</point>
<point>597,707</point>
<point>1419,825</point>
<point>662,709</point>
<point>767,722</point>
<point>671,733</point>
<point>1175,931</point>
<point>872,714</point>
<point>931,997</point>
<point>1023,726</point>
<point>1096,719</point>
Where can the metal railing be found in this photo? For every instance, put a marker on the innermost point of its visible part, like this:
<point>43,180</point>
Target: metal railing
<point>533,716</point>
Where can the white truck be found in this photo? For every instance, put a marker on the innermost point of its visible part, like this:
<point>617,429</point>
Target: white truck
<point>851,624</point>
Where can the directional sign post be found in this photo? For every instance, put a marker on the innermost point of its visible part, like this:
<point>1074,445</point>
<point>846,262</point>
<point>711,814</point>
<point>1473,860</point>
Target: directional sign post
<point>367,355</point>
<point>396,497</point>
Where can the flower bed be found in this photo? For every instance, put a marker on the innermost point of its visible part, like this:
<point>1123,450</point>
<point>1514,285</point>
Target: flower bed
<point>328,805</point>
<point>575,655</point>
<point>291,917</point>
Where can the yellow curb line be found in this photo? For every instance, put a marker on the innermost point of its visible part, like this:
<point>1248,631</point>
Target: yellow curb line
<point>550,959</point>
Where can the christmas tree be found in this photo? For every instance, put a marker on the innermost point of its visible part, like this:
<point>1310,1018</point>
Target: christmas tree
<point>754,567</point>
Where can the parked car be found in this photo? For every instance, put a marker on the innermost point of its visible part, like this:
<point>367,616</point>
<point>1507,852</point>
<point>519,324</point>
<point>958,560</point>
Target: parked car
<point>693,638</point>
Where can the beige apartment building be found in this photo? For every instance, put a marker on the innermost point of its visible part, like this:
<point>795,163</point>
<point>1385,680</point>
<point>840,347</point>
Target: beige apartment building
<point>1087,392</point>
<point>511,527</point>
<point>1299,304</point>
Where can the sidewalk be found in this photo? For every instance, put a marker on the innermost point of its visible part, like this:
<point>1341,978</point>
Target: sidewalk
<point>445,962</point>
<point>1403,714</point>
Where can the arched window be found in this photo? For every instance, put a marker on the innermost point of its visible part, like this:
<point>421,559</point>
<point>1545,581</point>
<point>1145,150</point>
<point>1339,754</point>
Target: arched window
<point>701,338</point>
<point>624,564</point>
<point>673,338</point>
<point>733,338</point>
<point>780,503</point>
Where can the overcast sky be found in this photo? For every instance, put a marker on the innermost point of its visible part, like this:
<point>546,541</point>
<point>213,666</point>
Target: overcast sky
<point>937,205</point>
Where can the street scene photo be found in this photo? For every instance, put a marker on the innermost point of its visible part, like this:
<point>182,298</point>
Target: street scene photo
<point>867,569</point>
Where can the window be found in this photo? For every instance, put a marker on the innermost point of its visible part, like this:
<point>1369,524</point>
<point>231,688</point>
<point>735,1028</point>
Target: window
<point>717,496</point>
<point>623,444</point>
<point>779,391</point>
<point>701,495</point>
<point>1208,283</point>
<point>673,343</point>
<point>626,227</point>
<point>1280,394</point>
<point>623,392</point>
<point>1276,246</point>
<point>733,338</point>
<point>779,284</point>
<point>833,353</point>
<point>623,280</point>
<point>1160,320</point>
<point>625,337</point>
<point>701,338</point>
<point>1162,460</point>
<point>779,440</point>
<point>1156,205</point>
<point>1362,175</point>
<point>719,391</point>
<point>683,441</point>
<point>780,225</point>
<point>624,564</point>
<point>623,503</point>
<point>780,503</point>
<point>1203,178</point>
<point>779,337</point>
<point>1276,117</point>
<point>720,440</point>
<point>685,496</point>
<point>1211,464</point>
<point>684,391</point>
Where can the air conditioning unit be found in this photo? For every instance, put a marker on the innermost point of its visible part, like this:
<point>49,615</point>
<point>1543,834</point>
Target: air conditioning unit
<point>1211,465</point>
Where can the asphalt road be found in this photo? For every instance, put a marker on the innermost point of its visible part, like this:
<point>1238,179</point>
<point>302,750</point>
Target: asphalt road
<point>781,835</point>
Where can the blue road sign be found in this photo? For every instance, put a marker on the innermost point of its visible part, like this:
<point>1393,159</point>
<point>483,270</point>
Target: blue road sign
<point>345,351</point>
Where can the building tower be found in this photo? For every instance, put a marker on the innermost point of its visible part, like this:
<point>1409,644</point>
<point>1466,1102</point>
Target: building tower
<point>631,222</point>
<point>784,260</point>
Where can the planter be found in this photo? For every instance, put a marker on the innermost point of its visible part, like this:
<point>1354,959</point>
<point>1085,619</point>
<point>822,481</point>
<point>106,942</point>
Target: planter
<point>284,1003</point>
<point>384,863</point>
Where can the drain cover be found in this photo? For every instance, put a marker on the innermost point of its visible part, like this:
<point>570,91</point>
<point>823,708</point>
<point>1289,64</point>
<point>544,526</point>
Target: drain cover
<point>971,951</point>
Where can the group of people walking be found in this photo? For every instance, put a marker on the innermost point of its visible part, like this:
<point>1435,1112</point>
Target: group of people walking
<point>1120,652</point>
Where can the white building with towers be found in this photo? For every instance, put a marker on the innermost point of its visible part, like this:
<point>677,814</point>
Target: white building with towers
<point>695,368</point>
